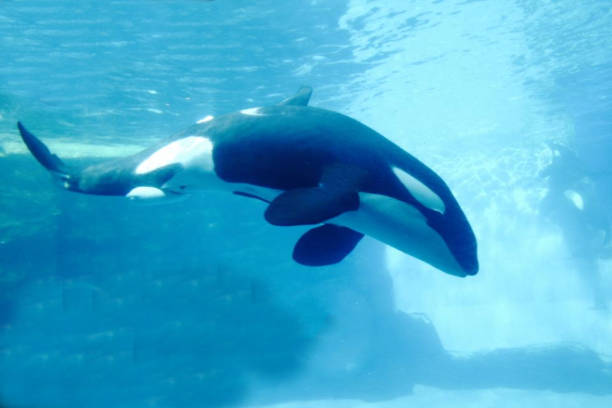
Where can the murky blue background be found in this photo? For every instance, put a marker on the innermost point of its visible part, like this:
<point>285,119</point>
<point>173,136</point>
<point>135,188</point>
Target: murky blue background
<point>198,303</point>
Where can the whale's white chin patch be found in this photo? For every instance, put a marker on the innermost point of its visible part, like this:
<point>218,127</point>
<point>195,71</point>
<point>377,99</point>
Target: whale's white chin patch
<point>401,226</point>
<point>145,193</point>
<point>191,151</point>
<point>420,191</point>
<point>252,112</point>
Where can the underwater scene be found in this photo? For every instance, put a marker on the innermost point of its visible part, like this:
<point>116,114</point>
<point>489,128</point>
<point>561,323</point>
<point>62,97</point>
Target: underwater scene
<point>305,204</point>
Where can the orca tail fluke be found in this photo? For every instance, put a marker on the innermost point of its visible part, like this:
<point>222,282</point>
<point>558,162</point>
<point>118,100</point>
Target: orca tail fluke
<point>42,153</point>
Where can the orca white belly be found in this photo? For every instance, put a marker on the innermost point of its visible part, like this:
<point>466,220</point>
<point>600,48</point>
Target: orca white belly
<point>401,226</point>
<point>386,219</point>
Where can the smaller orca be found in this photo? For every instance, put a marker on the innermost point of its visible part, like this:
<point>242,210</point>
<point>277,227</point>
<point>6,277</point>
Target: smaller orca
<point>310,166</point>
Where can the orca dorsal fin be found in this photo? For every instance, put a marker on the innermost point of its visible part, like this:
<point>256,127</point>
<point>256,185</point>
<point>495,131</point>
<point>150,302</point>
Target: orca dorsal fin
<point>301,97</point>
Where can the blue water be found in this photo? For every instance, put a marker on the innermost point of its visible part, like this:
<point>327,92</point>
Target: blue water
<point>198,303</point>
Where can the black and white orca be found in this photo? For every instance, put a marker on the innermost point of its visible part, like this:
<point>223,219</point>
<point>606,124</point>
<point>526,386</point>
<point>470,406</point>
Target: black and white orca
<point>311,167</point>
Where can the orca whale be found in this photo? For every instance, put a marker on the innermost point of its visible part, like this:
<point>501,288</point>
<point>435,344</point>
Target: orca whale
<point>310,166</point>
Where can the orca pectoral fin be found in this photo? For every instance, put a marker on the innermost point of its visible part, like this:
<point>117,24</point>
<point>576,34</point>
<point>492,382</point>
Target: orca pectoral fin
<point>325,245</point>
<point>301,97</point>
<point>305,206</point>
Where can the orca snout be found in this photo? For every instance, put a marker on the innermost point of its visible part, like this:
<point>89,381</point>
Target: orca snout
<point>465,253</point>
